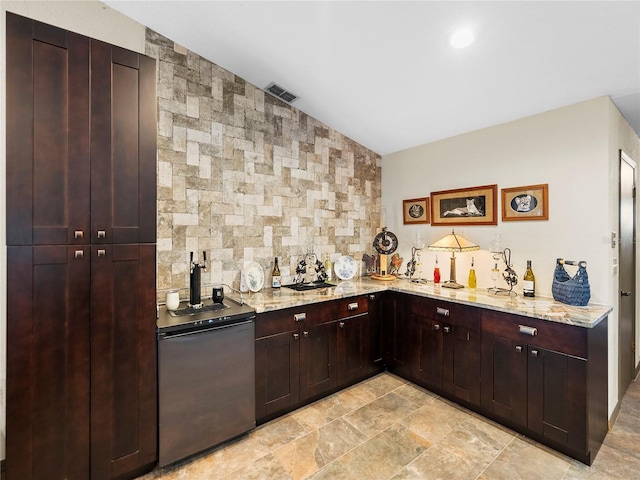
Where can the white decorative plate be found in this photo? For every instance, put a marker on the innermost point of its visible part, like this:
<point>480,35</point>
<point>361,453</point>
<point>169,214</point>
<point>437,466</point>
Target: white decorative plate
<point>345,267</point>
<point>254,276</point>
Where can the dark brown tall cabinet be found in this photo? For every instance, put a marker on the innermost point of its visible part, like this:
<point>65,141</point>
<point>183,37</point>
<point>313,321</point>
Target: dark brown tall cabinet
<point>81,232</point>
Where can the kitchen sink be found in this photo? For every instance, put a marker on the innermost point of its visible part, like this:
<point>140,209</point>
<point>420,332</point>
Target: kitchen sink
<point>301,287</point>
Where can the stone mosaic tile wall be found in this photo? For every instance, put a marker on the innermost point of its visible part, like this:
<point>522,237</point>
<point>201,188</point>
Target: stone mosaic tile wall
<point>247,177</point>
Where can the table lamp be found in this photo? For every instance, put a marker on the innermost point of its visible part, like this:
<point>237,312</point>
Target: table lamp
<point>453,243</point>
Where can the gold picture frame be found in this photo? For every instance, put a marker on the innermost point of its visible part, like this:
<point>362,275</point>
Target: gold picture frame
<point>415,210</point>
<point>465,206</point>
<point>530,202</point>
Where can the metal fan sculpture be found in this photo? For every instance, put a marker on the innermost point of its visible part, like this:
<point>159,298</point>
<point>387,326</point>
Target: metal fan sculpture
<point>385,244</point>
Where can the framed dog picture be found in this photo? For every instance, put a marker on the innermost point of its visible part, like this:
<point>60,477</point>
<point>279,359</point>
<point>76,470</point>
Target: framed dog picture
<point>465,206</point>
<point>525,203</point>
<point>415,210</point>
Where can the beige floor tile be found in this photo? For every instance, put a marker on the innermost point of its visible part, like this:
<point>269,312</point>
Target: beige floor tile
<point>526,460</point>
<point>609,464</point>
<point>378,415</point>
<point>438,463</point>
<point>415,394</point>
<point>384,455</point>
<point>435,420</point>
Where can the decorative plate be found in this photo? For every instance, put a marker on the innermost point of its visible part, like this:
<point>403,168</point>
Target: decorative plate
<point>345,267</point>
<point>254,276</point>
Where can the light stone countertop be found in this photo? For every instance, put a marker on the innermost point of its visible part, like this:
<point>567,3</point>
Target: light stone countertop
<point>544,308</point>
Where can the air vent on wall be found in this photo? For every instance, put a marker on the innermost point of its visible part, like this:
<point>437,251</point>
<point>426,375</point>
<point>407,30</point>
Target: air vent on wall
<point>281,93</point>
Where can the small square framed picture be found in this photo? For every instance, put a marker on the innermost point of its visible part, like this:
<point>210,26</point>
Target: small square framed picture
<point>525,203</point>
<point>415,210</point>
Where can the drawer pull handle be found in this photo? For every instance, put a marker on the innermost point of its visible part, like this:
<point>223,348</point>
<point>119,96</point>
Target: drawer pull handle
<point>102,253</point>
<point>518,349</point>
<point>298,317</point>
<point>102,234</point>
<point>78,234</point>
<point>442,311</point>
<point>79,254</point>
<point>531,331</point>
<point>352,306</point>
<point>341,324</point>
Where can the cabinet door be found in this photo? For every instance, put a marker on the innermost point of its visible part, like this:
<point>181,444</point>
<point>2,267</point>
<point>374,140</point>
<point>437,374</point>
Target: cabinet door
<point>317,359</point>
<point>378,308</point>
<point>398,336</point>
<point>277,373</point>
<point>461,362</point>
<point>428,348</point>
<point>504,379</point>
<point>47,134</point>
<point>48,331</point>
<point>558,398</point>
<point>123,360</point>
<point>123,146</point>
<point>352,348</point>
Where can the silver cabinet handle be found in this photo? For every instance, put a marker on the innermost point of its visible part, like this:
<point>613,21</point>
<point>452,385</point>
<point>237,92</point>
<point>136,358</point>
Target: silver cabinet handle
<point>447,329</point>
<point>102,253</point>
<point>352,306</point>
<point>341,324</point>
<point>78,234</point>
<point>528,330</point>
<point>436,326</point>
<point>625,294</point>
<point>372,297</point>
<point>305,334</point>
<point>79,254</point>
<point>518,349</point>
<point>442,311</point>
<point>296,336</point>
<point>534,353</point>
<point>298,317</point>
<point>102,234</point>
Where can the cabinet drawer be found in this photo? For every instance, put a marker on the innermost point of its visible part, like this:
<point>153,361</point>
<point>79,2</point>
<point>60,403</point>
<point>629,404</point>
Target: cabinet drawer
<point>445,312</point>
<point>348,307</point>
<point>532,331</point>
<point>289,319</point>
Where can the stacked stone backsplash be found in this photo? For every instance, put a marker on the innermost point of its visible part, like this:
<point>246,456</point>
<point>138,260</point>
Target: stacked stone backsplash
<point>247,177</point>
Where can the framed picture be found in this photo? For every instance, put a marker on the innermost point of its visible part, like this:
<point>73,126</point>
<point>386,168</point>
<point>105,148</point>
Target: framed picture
<point>525,203</point>
<point>415,210</point>
<point>465,206</point>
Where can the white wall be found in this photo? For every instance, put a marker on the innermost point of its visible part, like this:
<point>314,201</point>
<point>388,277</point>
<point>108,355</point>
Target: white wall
<point>573,150</point>
<point>90,18</point>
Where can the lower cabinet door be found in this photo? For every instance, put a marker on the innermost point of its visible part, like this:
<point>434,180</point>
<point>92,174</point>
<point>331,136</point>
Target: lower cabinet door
<point>557,386</point>
<point>277,373</point>
<point>428,348</point>
<point>124,410</point>
<point>504,379</point>
<point>48,358</point>
<point>317,359</point>
<point>352,348</point>
<point>461,363</point>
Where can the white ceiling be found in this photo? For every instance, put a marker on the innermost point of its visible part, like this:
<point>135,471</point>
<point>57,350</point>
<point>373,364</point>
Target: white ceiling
<point>382,73</point>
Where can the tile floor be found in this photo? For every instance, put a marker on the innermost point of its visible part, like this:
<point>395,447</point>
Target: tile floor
<point>385,428</point>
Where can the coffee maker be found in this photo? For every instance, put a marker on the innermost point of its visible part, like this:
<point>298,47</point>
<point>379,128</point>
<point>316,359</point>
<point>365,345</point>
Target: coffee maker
<point>194,280</point>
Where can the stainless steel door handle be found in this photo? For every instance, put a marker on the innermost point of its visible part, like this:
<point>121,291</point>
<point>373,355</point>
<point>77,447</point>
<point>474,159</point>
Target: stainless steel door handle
<point>341,324</point>
<point>436,326</point>
<point>518,349</point>
<point>625,294</point>
<point>447,329</point>
<point>298,317</point>
<point>352,306</point>
<point>534,353</point>
<point>296,336</point>
<point>305,334</point>
<point>528,330</point>
<point>442,311</point>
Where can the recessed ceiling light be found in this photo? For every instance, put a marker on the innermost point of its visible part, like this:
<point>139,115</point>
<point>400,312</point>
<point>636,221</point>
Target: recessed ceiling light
<point>462,37</point>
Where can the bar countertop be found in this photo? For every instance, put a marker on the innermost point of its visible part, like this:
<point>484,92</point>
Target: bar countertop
<point>544,308</point>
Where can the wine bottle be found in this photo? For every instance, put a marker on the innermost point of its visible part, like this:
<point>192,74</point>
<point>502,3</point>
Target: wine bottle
<point>436,272</point>
<point>328,268</point>
<point>473,282</point>
<point>275,275</point>
<point>529,282</point>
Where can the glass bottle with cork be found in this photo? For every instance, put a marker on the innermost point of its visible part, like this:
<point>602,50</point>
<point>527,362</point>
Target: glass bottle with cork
<point>436,272</point>
<point>275,274</point>
<point>529,282</point>
<point>472,282</point>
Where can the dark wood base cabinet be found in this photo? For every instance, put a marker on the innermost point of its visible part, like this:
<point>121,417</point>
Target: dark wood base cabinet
<point>307,352</point>
<point>544,379</point>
